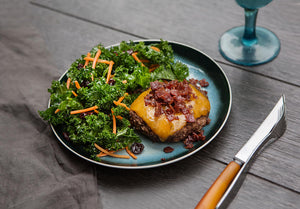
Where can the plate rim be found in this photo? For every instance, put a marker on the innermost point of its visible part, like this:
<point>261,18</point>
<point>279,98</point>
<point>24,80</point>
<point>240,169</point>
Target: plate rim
<point>169,161</point>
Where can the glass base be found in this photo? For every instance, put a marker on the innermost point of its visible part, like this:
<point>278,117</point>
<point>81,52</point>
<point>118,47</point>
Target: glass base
<point>264,49</point>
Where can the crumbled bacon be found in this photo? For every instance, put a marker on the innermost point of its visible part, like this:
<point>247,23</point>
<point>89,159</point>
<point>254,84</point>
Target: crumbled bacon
<point>199,83</point>
<point>194,137</point>
<point>170,98</point>
<point>168,149</point>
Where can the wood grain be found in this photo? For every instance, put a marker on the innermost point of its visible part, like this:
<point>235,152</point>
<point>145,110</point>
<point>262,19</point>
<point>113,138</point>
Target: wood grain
<point>198,23</point>
<point>273,180</point>
<point>182,185</point>
<point>253,97</point>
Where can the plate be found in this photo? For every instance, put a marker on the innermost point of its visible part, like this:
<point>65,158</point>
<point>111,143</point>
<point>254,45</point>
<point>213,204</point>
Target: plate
<point>219,94</point>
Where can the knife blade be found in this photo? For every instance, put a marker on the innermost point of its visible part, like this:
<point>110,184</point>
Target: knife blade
<point>230,179</point>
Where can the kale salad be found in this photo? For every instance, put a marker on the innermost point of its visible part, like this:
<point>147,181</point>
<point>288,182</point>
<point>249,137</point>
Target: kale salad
<point>91,103</point>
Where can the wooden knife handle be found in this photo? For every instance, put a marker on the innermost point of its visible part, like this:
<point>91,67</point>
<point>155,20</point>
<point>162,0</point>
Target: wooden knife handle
<point>216,191</point>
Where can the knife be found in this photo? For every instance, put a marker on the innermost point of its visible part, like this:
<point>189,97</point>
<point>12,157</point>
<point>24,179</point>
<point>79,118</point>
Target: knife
<point>226,185</point>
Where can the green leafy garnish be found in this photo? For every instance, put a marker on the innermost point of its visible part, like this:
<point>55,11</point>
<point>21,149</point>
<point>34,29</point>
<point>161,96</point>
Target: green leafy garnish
<point>129,76</point>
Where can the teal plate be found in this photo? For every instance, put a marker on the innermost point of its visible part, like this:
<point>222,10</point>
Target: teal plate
<point>219,94</point>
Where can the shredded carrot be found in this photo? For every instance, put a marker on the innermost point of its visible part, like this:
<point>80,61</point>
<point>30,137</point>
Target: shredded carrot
<point>116,103</point>
<point>124,105</point>
<point>99,60</point>
<point>73,92</point>
<point>155,48</point>
<point>92,76</point>
<point>134,55</point>
<point>111,154</point>
<point>130,153</point>
<point>102,154</point>
<point>96,111</point>
<point>124,81</point>
<point>153,67</point>
<point>111,63</point>
<point>68,83</point>
<point>145,61</point>
<point>83,110</point>
<point>56,111</point>
<point>119,117</point>
<point>121,98</point>
<point>114,122</point>
<point>86,60</point>
<point>96,58</point>
<point>77,84</point>
<point>121,104</point>
<point>104,61</point>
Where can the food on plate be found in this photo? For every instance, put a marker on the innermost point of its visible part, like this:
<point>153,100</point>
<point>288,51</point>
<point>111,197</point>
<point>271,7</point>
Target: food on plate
<point>90,104</point>
<point>171,111</point>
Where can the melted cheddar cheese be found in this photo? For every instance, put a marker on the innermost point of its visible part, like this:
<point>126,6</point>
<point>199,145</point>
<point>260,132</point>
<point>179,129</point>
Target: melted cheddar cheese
<point>161,126</point>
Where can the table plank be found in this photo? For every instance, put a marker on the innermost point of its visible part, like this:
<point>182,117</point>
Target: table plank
<point>198,23</point>
<point>253,97</point>
<point>182,185</point>
<point>68,38</point>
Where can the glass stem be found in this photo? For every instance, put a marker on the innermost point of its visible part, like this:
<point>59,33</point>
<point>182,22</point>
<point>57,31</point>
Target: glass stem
<point>249,37</point>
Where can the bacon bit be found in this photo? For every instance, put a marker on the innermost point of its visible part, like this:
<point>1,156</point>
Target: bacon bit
<point>124,81</point>
<point>56,111</point>
<point>96,58</point>
<point>77,84</point>
<point>111,154</point>
<point>169,98</point>
<point>114,122</point>
<point>119,117</point>
<point>203,83</point>
<point>130,153</point>
<point>84,110</point>
<point>168,149</point>
<point>68,83</point>
<point>111,63</point>
<point>134,55</point>
<point>86,60</point>
<point>73,92</point>
<point>155,48</point>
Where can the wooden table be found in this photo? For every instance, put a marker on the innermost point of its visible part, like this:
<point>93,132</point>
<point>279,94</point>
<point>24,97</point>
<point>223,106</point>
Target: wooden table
<point>71,28</point>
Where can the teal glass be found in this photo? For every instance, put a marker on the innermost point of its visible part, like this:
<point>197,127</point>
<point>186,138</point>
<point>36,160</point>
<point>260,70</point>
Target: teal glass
<point>249,45</point>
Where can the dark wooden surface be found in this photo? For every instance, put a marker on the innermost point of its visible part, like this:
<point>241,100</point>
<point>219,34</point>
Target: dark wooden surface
<point>70,28</point>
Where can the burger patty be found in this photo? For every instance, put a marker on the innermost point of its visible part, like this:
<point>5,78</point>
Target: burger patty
<point>139,124</point>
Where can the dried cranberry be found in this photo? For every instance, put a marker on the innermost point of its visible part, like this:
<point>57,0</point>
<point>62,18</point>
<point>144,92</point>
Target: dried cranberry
<point>111,82</point>
<point>85,83</point>
<point>82,115</point>
<point>66,136</point>
<point>137,148</point>
<point>168,149</point>
<point>79,66</point>
<point>130,51</point>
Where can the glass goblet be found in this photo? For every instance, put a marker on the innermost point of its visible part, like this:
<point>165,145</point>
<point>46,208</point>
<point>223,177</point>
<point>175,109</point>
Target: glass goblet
<point>249,45</point>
